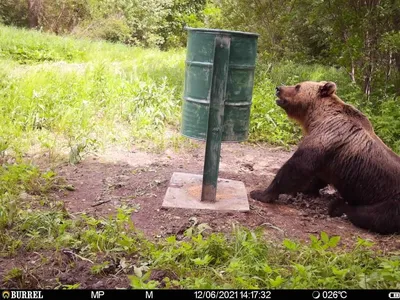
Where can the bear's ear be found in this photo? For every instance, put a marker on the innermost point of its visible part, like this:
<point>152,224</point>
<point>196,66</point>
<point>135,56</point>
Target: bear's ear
<point>328,89</point>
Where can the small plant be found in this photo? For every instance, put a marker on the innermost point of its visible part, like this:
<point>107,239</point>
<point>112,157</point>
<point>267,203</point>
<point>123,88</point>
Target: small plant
<point>15,275</point>
<point>100,268</point>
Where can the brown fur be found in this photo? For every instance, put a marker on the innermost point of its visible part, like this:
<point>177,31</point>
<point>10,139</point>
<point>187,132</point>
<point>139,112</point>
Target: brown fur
<point>339,148</point>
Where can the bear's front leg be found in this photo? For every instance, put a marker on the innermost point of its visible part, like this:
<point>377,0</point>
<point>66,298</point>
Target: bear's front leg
<point>263,196</point>
<point>337,208</point>
<point>294,176</point>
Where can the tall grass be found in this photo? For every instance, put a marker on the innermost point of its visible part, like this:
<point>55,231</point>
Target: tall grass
<point>32,47</point>
<point>106,93</point>
<point>96,92</point>
<point>80,94</point>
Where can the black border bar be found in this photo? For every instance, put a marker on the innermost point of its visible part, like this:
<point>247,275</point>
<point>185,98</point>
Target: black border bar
<point>200,294</point>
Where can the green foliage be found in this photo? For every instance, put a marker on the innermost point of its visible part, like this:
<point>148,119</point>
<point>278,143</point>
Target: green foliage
<point>247,261</point>
<point>141,92</point>
<point>112,29</point>
<point>85,104</point>
<point>244,260</point>
<point>362,38</point>
<point>391,41</point>
<point>142,22</point>
<point>28,47</point>
<point>159,23</point>
<point>20,183</point>
<point>14,12</point>
<point>387,123</point>
<point>267,121</point>
<point>61,16</point>
<point>182,13</point>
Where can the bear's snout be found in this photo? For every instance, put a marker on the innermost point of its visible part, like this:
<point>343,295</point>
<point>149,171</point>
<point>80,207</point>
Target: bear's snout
<point>281,102</point>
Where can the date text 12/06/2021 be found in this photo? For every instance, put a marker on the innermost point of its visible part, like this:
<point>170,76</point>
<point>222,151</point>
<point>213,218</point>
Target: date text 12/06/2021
<point>234,294</point>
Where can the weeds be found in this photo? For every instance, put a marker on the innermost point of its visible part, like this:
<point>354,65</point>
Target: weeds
<point>89,104</point>
<point>246,260</point>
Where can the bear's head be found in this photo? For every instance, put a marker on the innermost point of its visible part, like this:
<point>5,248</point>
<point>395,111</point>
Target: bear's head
<point>298,100</point>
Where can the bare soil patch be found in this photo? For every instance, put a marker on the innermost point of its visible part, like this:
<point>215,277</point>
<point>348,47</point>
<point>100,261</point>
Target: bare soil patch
<point>140,180</point>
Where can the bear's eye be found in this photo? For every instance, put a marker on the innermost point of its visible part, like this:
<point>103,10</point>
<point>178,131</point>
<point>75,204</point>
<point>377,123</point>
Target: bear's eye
<point>297,87</point>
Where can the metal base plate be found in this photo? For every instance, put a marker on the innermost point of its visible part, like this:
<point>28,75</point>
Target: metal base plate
<point>184,191</point>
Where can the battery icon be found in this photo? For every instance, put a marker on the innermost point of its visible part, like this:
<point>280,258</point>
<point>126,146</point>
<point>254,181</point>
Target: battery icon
<point>394,295</point>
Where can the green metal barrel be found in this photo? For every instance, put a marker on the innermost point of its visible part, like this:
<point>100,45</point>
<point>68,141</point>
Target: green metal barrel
<point>236,88</point>
<point>219,77</point>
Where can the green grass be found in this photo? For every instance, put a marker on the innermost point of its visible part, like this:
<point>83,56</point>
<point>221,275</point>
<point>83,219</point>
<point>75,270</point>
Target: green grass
<point>62,95</point>
<point>31,47</point>
<point>105,94</point>
<point>88,94</point>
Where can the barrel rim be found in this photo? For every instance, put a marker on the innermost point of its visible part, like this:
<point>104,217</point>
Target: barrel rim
<point>231,32</point>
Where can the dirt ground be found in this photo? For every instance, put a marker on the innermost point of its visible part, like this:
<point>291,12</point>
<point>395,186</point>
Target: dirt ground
<point>140,180</point>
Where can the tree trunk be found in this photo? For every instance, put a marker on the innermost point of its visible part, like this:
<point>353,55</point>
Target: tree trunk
<point>33,13</point>
<point>368,81</point>
<point>352,73</point>
<point>389,68</point>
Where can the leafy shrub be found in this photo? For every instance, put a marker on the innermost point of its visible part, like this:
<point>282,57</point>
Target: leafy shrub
<point>246,260</point>
<point>14,12</point>
<point>387,123</point>
<point>112,29</point>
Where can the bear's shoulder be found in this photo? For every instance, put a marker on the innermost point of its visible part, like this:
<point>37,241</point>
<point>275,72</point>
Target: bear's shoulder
<point>357,116</point>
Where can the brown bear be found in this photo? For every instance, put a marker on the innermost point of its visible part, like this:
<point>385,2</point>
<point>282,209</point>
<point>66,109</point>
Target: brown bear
<point>340,148</point>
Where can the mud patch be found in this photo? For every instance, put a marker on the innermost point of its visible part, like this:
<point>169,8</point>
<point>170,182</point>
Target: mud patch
<point>140,181</point>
